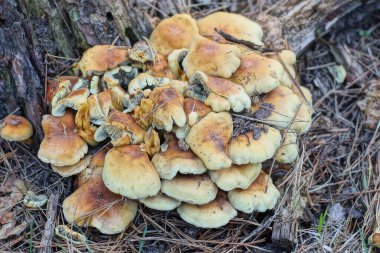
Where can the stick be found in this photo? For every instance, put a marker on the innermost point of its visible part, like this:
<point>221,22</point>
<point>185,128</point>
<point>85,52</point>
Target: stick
<point>49,225</point>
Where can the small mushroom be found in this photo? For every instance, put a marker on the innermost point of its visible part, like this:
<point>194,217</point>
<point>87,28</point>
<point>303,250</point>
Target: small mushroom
<point>160,68</point>
<point>15,128</point>
<point>209,137</point>
<point>161,202</point>
<point>214,214</point>
<point>303,120</point>
<point>85,129</point>
<point>143,113</point>
<point>54,86</point>
<point>101,58</point>
<point>257,74</point>
<point>99,106</point>
<point>142,52</point>
<point>110,78</point>
<point>173,160</point>
<point>72,100</point>
<point>173,33</point>
<point>374,238</point>
<point>288,151</point>
<point>32,200</point>
<point>146,81</point>
<point>128,171</point>
<point>120,99</point>
<point>194,189</point>
<point>247,148</point>
<point>70,235</point>
<point>260,196</point>
<point>151,144</point>
<point>212,58</point>
<point>233,93</point>
<point>236,176</point>
<point>175,60</point>
<point>62,144</point>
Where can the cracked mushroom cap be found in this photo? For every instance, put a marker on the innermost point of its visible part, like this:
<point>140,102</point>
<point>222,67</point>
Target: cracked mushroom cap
<point>212,58</point>
<point>234,93</point>
<point>236,176</point>
<point>286,104</point>
<point>260,196</point>
<point>102,58</point>
<point>209,137</point>
<point>174,33</point>
<point>99,106</point>
<point>175,60</point>
<point>61,145</point>
<point>92,204</point>
<point>174,159</point>
<point>121,128</point>
<point>128,171</point>
<point>257,74</point>
<point>168,108</point>
<point>194,189</point>
<point>303,120</point>
<point>289,59</point>
<point>73,100</point>
<point>244,148</point>
<point>288,151</point>
<point>161,202</point>
<point>233,24</point>
<point>214,214</point>
<point>15,128</point>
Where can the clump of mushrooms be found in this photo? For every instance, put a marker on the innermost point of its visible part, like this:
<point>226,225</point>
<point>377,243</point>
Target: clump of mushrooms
<point>185,121</point>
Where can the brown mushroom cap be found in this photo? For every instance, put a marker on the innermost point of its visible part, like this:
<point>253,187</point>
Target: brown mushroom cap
<point>233,24</point>
<point>174,33</point>
<point>173,160</point>
<point>160,202</point>
<point>214,214</point>
<point>83,125</point>
<point>96,206</point>
<point>195,110</point>
<point>194,189</point>
<point>244,148</point>
<point>128,171</point>
<point>260,196</point>
<point>99,106</point>
<point>212,58</point>
<point>15,128</point>
<point>160,68</point>
<point>101,58</point>
<point>236,176</point>
<point>61,145</point>
<point>209,137</point>
<point>257,74</point>
<point>53,85</point>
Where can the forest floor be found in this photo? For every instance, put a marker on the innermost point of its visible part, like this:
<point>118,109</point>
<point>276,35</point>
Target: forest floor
<point>333,185</point>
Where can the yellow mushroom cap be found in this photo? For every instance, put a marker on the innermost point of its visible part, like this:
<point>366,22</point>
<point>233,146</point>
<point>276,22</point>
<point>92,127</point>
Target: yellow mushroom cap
<point>173,33</point>
<point>255,198</point>
<point>15,128</point>
<point>99,106</point>
<point>303,120</point>
<point>288,151</point>
<point>175,60</point>
<point>212,58</point>
<point>209,137</point>
<point>128,171</point>
<point>236,176</point>
<point>173,160</point>
<point>215,214</point>
<point>160,202</point>
<point>236,25</point>
<point>92,204</point>
<point>195,110</point>
<point>194,189</point>
<point>374,238</point>
<point>72,100</point>
<point>289,59</point>
<point>69,170</point>
<point>61,145</point>
<point>101,58</point>
<point>257,74</point>
<point>217,103</point>
<point>244,149</point>
<point>96,163</point>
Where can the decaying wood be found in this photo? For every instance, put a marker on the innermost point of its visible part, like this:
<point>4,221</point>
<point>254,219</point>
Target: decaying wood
<point>50,224</point>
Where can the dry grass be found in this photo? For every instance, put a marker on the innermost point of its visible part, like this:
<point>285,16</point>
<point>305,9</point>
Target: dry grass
<point>337,170</point>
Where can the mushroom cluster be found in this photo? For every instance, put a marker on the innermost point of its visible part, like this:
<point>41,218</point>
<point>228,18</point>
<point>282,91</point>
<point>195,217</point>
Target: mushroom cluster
<point>184,120</point>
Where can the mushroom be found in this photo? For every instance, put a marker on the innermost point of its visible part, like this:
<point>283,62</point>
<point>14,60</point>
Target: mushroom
<point>72,100</point>
<point>142,52</point>
<point>101,58</point>
<point>168,108</point>
<point>161,202</point>
<point>175,60</point>
<point>160,68</point>
<point>257,74</point>
<point>217,103</point>
<point>92,204</point>
<point>61,145</point>
<point>173,33</point>
<point>144,80</point>
<point>83,125</point>
<point>99,106</point>
<point>94,85</point>
<point>128,171</point>
<point>173,160</point>
<point>32,200</point>
<point>374,238</point>
<point>260,196</point>
<point>286,105</point>
<point>289,60</point>
<point>214,214</point>
<point>15,128</point>
<point>121,128</point>
<point>143,113</point>
<point>209,137</point>
<point>233,93</point>
<point>120,99</point>
<point>69,170</point>
<point>236,176</point>
<point>151,144</point>
<point>54,85</point>
<point>212,58</point>
<point>96,162</point>
<point>302,122</point>
<point>110,78</point>
<point>288,151</point>
<point>194,189</point>
<point>233,24</point>
<point>247,148</point>
<point>70,235</point>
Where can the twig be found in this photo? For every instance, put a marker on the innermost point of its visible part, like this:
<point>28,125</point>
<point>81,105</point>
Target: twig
<point>49,225</point>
